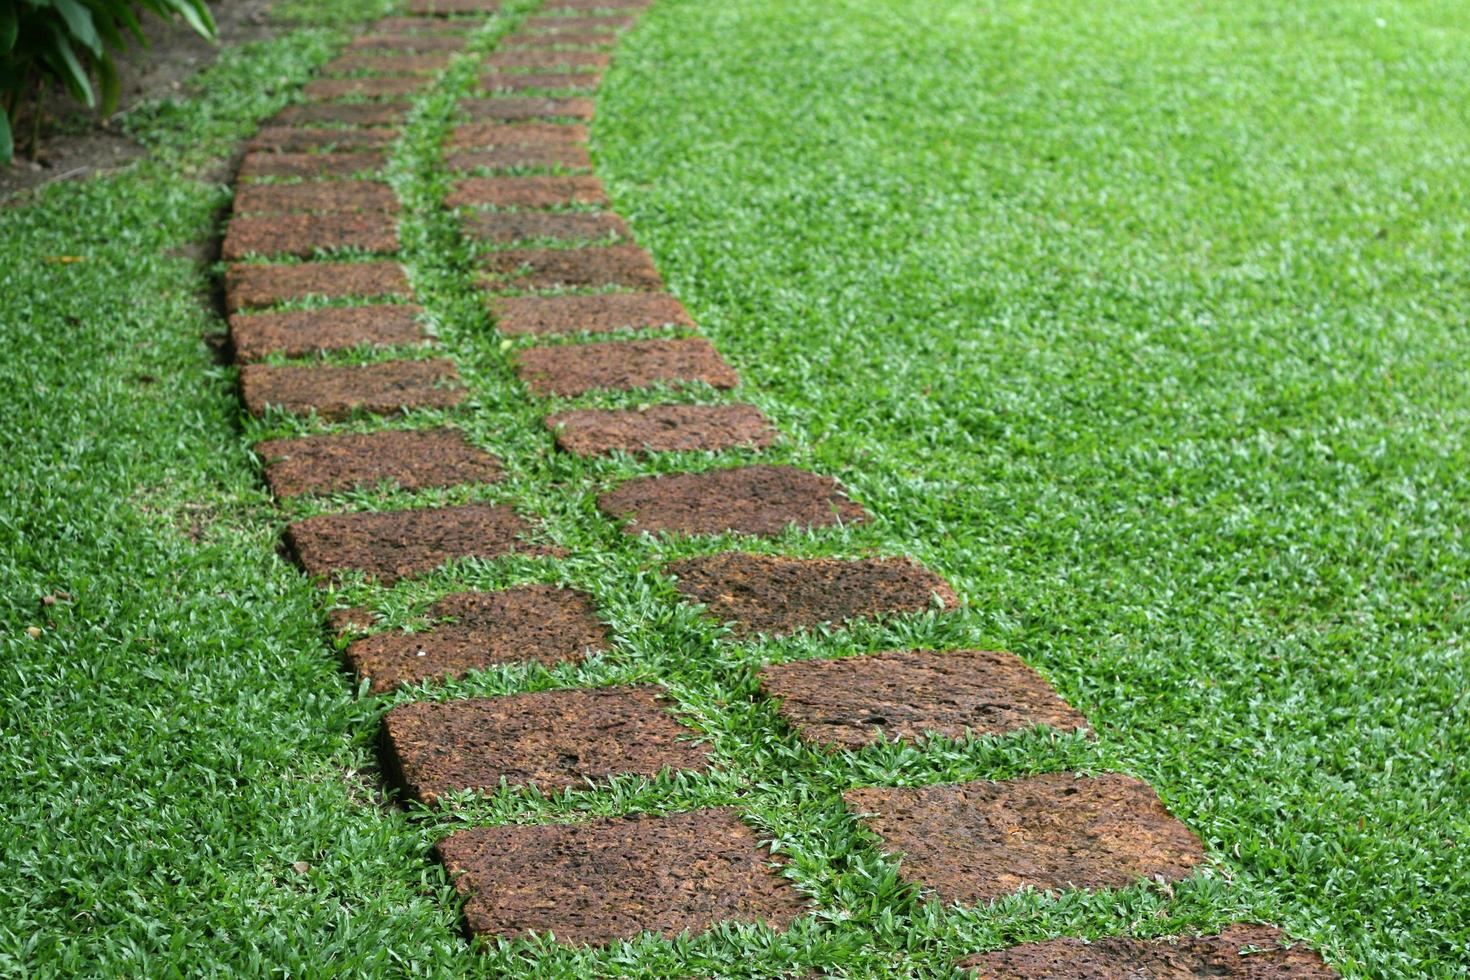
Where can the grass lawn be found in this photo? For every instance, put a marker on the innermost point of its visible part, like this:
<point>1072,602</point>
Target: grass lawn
<point>1142,323</point>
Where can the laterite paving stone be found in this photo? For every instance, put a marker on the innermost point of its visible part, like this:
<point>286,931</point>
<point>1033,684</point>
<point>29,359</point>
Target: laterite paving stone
<point>550,739</point>
<point>513,108</point>
<point>313,166</point>
<point>558,25</point>
<point>778,596</point>
<point>422,25</point>
<point>761,500</point>
<point>447,7</point>
<point>337,88</point>
<point>304,234</point>
<point>575,369</point>
<point>255,286</point>
<point>605,880</point>
<point>507,227</point>
<point>290,139</point>
<point>479,136</point>
<point>319,196</point>
<point>588,39</point>
<point>343,113</point>
<point>975,842</point>
<point>412,459</point>
<point>578,6</point>
<point>384,388</point>
<point>526,192</point>
<point>529,624</point>
<point>661,429</point>
<point>1241,952</point>
<point>391,545</point>
<point>409,43</point>
<point>849,702</point>
<point>518,315</point>
<point>389,64</point>
<point>548,60</point>
<point>611,265</point>
<point>571,155</point>
<point>299,333</point>
<point>504,82</point>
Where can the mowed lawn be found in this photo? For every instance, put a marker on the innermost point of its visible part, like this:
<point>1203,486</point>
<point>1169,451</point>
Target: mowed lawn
<point>1142,323</point>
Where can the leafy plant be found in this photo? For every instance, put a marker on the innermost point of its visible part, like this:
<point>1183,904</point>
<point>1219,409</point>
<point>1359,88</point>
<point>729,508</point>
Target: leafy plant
<point>72,41</point>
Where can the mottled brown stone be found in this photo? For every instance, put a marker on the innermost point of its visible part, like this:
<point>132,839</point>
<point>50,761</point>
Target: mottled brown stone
<point>389,64</point>
<point>558,25</point>
<point>513,108</point>
<point>849,702</point>
<point>319,196</point>
<point>550,739</point>
<point>503,82</point>
<point>448,7</point>
<point>306,234</point>
<point>479,136</point>
<point>777,596</point>
<point>419,43</point>
<point>299,333</point>
<point>762,500</point>
<point>289,139</point>
<point>976,842</point>
<point>505,157</point>
<point>507,227</point>
<point>660,429</point>
<point>391,545</point>
<point>612,265</point>
<point>336,392</point>
<point>548,60</point>
<point>1240,952</point>
<point>345,620</point>
<point>256,286</point>
<point>606,880</point>
<point>575,369</point>
<point>412,459</point>
<point>526,192</point>
<point>604,313</point>
<point>343,113</point>
<point>338,88</point>
<point>574,39</point>
<point>422,25</point>
<point>529,624</point>
<point>313,166</point>
<point>579,6</point>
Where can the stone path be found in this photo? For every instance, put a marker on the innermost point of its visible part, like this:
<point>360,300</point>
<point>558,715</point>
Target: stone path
<point>315,246</point>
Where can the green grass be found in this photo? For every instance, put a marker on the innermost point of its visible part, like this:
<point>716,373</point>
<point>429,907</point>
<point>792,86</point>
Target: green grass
<point>1142,325</point>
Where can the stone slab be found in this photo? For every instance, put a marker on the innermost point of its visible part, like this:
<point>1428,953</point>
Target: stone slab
<point>301,333</point>
<point>627,266</point>
<point>481,136</point>
<point>661,429</point>
<point>410,459</point>
<point>332,392</point>
<point>571,39</point>
<point>312,166</point>
<point>326,89</point>
<point>604,313</point>
<point>570,155</point>
<point>389,64</point>
<point>548,60</point>
<point>551,81</point>
<point>256,286</point>
<point>510,227</point>
<point>516,108</point>
<point>293,139</point>
<point>541,191</point>
<point>324,196</point>
<point>758,500</point>
<point>575,369</point>
<point>556,25</point>
<point>415,43</point>
<point>304,235</point>
<point>342,114</point>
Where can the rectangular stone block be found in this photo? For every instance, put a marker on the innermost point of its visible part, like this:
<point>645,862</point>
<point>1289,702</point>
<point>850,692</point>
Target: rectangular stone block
<point>563,81</point>
<point>312,166</point>
<point>378,63</point>
<point>549,60</point>
<point>758,500</point>
<point>512,108</point>
<point>256,286</point>
<point>412,459</point>
<point>508,227</point>
<point>480,136</point>
<point>305,235</point>
<point>545,155</point>
<point>526,192</point>
<point>290,139</point>
<point>561,39</point>
<point>333,393</point>
<point>660,429</point>
<point>301,333</point>
<point>343,114</point>
<point>411,43</point>
<point>627,266</point>
<point>327,89</point>
<point>575,369</point>
<point>603,313</point>
<point>318,196</point>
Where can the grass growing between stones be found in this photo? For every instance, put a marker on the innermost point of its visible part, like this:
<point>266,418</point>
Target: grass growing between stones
<point>1155,358</point>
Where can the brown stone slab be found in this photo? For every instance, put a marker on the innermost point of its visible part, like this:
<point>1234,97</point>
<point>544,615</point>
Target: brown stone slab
<point>411,43</point>
<point>323,89</point>
<point>660,429</point>
<point>391,545</point>
<point>504,82</point>
<point>449,7</point>
<point>549,60</point>
<point>343,113</point>
<point>976,842</point>
<point>300,333</point>
<point>507,227</point>
<point>610,265</point>
<point>412,460</point>
<point>572,155</point>
<point>849,702</point>
<point>317,195</point>
<point>511,108</point>
<point>777,596</point>
<point>529,624</point>
<point>575,39</point>
<point>389,64</point>
<point>762,500</point>
<point>289,139</point>
<point>1241,952</point>
<point>550,739</point>
<point>606,880</point>
<point>256,286</point>
<point>579,6</point>
<point>480,136</point>
<point>518,315</point>
<point>557,25</point>
<point>575,369</point>
<point>313,166</point>
<point>422,25</point>
<point>305,234</point>
<point>336,392</point>
<point>526,192</point>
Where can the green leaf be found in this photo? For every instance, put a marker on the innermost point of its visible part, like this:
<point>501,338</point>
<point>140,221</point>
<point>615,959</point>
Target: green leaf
<point>196,15</point>
<point>79,23</point>
<point>9,28</point>
<point>107,82</point>
<point>64,60</point>
<point>7,143</point>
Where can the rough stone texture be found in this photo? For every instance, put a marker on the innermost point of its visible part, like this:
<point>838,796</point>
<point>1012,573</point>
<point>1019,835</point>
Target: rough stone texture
<point>976,842</point>
<point>557,25</point>
<point>320,195</point>
<point>299,333</point>
<point>336,392</point>
<point>530,624</point>
<point>305,234</point>
<point>606,880</point>
<point>512,108</point>
<point>550,739</point>
<point>526,192</point>
<point>289,139</point>
<point>337,88</point>
<point>343,113</point>
<point>505,157</point>
<point>906,694</point>
<point>391,545</point>
<point>506,227</point>
<point>549,60</point>
<point>446,7</point>
<point>578,6</point>
<point>411,43</point>
<point>412,459</point>
<point>256,286</point>
<point>422,25</point>
<point>612,265</point>
<point>576,39</point>
<point>516,315</point>
<point>389,64</point>
<point>574,369</point>
<point>479,136</point>
<point>777,596</point>
<point>763,500</point>
<point>1241,952</point>
<point>660,429</point>
<point>502,82</point>
<point>350,619</point>
<point>313,166</point>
